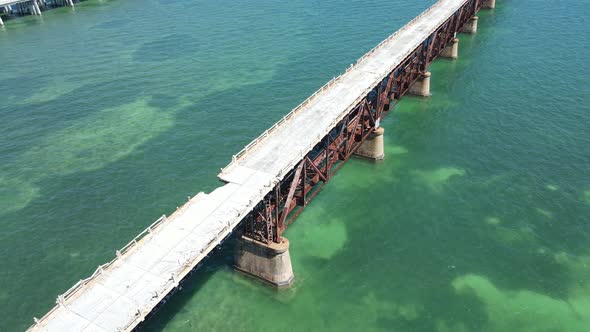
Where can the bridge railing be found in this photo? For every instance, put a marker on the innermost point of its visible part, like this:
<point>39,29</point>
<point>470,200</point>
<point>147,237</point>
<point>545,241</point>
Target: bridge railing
<point>68,294</point>
<point>266,133</point>
<point>118,254</point>
<point>305,151</point>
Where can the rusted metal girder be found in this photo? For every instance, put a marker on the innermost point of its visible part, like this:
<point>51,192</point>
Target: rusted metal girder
<point>270,218</point>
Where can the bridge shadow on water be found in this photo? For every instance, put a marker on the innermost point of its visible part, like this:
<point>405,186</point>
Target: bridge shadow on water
<point>221,258</point>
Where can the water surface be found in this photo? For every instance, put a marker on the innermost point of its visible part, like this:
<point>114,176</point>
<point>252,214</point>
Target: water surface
<point>111,114</point>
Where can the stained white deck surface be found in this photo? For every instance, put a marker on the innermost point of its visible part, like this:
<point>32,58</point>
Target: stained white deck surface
<point>121,293</point>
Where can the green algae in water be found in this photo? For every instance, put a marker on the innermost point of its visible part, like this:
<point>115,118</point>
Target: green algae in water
<point>323,238</point>
<point>552,187</point>
<point>528,311</point>
<point>104,137</point>
<point>52,91</point>
<point>493,221</point>
<point>544,213</point>
<point>15,194</point>
<point>436,179</point>
<point>101,139</point>
<point>89,159</point>
<point>394,150</point>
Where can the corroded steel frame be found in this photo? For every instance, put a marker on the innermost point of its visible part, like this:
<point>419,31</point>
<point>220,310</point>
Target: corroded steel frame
<point>270,218</point>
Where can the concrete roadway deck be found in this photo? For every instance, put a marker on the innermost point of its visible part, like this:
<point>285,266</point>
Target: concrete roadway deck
<point>120,294</point>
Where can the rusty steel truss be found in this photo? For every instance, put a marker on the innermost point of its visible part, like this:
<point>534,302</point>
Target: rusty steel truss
<point>267,222</point>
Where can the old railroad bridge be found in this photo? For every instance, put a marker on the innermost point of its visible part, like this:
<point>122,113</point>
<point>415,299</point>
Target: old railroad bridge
<point>269,182</point>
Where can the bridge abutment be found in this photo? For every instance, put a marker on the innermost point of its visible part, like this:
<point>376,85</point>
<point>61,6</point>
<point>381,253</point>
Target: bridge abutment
<point>372,147</point>
<point>452,50</point>
<point>490,4</point>
<point>422,86</point>
<point>471,25</point>
<point>269,262</point>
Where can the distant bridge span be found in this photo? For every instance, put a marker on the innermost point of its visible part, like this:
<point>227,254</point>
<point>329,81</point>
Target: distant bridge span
<point>269,182</point>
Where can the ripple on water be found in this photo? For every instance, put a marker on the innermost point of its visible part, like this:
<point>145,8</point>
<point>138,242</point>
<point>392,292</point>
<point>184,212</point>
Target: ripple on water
<point>112,24</point>
<point>166,48</point>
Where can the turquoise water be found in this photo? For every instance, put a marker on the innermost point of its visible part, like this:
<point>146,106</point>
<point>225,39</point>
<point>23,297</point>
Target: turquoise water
<point>113,113</point>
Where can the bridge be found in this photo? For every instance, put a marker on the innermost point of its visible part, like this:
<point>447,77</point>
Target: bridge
<point>32,7</point>
<point>269,182</point>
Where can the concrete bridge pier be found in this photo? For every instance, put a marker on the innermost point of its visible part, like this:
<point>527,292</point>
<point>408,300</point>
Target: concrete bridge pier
<point>1,22</point>
<point>372,147</point>
<point>489,4</point>
<point>422,86</point>
<point>37,9</point>
<point>471,25</point>
<point>34,8</point>
<point>452,50</point>
<point>269,262</point>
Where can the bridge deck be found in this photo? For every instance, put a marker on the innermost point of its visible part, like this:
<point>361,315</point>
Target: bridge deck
<point>279,149</point>
<point>121,293</point>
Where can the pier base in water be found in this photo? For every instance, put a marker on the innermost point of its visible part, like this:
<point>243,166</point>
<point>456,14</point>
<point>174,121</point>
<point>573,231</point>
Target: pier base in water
<point>422,86</point>
<point>372,147</point>
<point>452,50</point>
<point>489,4</point>
<point>471,25</point>
<point>268,262</point>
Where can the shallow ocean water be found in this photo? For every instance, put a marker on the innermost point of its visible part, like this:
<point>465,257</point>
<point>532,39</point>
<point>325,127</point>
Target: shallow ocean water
<point>477,220</point>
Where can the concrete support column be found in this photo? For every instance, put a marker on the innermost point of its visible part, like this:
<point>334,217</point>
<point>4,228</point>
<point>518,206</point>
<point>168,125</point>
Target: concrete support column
<point>422,86</point>
<point>1,22</point>
<point>269,262</point>
<point>489,4</point>
<point>70,3</point>
<point>34,8</point>
<point>372,147</point>
<point>37,9</point>
<point>471,25</point>
<point>452,50</point>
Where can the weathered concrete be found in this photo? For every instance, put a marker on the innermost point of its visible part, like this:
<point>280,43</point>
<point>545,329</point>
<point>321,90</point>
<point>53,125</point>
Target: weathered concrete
<point>490,4</point>
<point>452,50</point>
<point>372,147</point>
<point>268,262</point>
<point>471,25</point>
<point>422,86</point>
<point>36,8</point>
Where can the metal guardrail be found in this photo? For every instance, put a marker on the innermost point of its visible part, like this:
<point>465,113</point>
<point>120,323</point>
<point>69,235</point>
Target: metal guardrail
<point>67,295</point>
<point>304,152</point>
<point>192,259</point>
<point>266,133</point>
